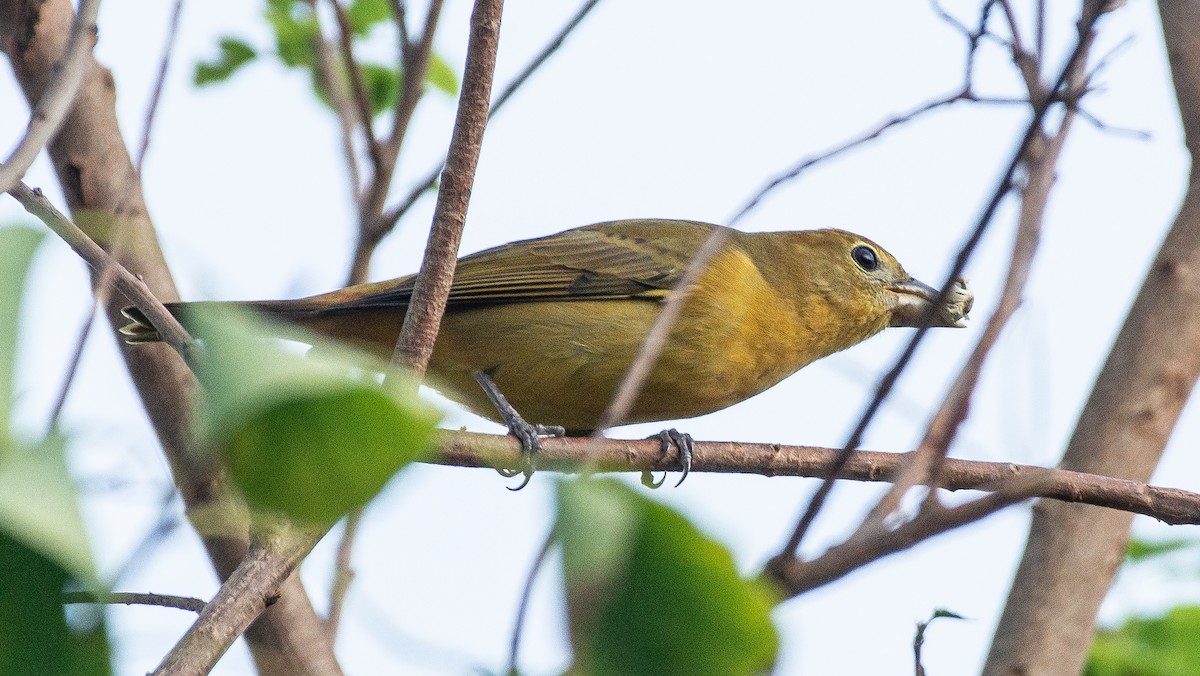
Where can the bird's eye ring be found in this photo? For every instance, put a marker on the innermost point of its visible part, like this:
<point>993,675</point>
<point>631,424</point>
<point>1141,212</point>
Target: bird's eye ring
<point>865,257</point>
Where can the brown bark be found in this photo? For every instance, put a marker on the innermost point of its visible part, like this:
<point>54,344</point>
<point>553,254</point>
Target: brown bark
<point>105,198</point>
<point>1073,552</point>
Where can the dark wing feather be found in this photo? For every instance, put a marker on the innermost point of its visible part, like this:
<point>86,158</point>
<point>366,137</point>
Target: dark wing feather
<point>619,259</point>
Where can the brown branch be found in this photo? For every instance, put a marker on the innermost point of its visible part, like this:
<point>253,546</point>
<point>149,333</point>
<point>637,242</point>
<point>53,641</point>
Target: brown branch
<point>243,596</point>
<point>343,572</point>
<point>432,285</point>
<point>107,267</point>
<point>514,645</point>
<point>193,604</point>
<point>358,88</point>
<point>57,98</point>
<point>797,577</point>
<point>159,82</point>
<point>569,454</point>
<point>414,65</point>
<point>326,72</point>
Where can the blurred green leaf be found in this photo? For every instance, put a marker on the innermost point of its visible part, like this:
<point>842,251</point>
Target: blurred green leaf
<point>234,54</point>
<point>1141,550</point>
<point>648,594</point>
<point>17,246</point>
<point>382,84</point>
<point>295,32</point>
<point>365,14</point>
<point>35,639</point>
<point>312,436</point>
<point>942,612</point>
<point>441,75</point>
<point>38,508</point>
<point>1164,646</point>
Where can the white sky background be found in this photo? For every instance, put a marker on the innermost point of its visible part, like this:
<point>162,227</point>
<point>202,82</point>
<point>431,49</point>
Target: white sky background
<point>670,109</point>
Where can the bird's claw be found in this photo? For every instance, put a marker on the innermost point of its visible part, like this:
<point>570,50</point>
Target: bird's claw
<point>531,445</point>
<point>685,444</point>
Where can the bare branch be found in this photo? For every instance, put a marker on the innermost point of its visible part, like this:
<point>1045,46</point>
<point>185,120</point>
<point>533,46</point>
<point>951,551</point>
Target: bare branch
<point>100,260</point>
<point>432,286</point>
<point>56,99</point>
<point>343,572</point>
<point>523,607</point>
<point>193,604</point>
<point>358,88</point>
<point>242,598</point>
<point>867,136</point>
<point>570,454</point>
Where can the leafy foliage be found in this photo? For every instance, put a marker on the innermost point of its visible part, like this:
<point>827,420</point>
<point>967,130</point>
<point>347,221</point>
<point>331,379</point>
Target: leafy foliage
<point>648,594</point>
<point>297,37</point>
<point>1162,646</point>
<point>310,436</point>
<point>234,54</point>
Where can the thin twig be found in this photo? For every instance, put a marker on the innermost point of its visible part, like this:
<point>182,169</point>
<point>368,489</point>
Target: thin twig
<point>656,339</point>
<point>357,87</point>
<point>136,599</point>
<point>159,82</point>
<point>326,72</point>
<point>343,573</point>
<point>56,101</point>
<point>807,163</point>
<point>432,286</point>
<point>514,645</point>
<point>103,288</point>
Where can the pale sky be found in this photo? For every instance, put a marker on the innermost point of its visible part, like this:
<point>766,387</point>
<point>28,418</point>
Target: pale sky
<point>673,110</point>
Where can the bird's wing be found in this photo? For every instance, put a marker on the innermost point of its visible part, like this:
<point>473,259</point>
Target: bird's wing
<point>621,259</point>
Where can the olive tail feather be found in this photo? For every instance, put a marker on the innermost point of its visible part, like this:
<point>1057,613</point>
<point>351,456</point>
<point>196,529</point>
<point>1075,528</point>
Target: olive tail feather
<point>139,329</point>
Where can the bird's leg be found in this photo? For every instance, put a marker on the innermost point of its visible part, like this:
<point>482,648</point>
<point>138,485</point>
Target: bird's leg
<point>525,432</point>
<point>686,446</point>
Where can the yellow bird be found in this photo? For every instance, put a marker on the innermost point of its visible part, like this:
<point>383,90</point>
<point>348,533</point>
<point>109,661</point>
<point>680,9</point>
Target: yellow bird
<point>555,322</point>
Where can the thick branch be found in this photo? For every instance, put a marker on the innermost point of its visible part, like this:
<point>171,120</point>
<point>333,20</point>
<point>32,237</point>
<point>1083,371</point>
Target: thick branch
<point>432,286</point>
<point>105,197</point>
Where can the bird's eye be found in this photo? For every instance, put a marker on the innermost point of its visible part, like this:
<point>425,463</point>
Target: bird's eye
<point>865,257</point>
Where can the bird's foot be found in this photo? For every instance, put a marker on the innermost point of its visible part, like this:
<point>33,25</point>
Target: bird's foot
<point>685,444</point>
<point>527,433</point>
<point>531,445</point>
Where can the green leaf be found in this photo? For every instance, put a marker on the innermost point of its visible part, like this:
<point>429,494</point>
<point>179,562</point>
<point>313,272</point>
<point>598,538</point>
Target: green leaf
<point>441,75</point>
<point>295,32</point>
<point>17,246</point>
<point>38,508</point>
<point>382,85</point>
<point>34,636</point>
<point>1141,550</point>
<point>648,594</point>
<point>366,14</point>
<point>311,436</point>
<point>1163,646</point>
<point>234,54</point>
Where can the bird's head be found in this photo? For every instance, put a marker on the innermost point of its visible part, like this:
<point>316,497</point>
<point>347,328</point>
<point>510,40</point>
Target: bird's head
<point>857,274</point>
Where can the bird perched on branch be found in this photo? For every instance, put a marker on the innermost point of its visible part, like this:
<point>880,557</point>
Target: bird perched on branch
<point>554,322</point>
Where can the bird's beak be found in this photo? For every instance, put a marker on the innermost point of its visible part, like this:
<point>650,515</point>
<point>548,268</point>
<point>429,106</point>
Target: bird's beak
<point>914,299</point>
